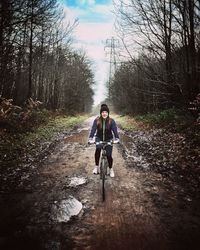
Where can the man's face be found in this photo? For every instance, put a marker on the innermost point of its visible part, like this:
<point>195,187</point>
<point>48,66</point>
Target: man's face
<point>104,114</point>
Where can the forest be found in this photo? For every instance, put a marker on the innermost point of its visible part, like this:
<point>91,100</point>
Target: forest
<point>37,59</point>
<point>162,43</point>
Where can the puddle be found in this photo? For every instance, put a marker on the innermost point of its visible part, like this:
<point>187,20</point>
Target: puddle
<point>83,129</point>
<point>131,152</point>
<point>78,137</point>
<point>62,211</point>
<point>125,140</point>
<point>77,181</point>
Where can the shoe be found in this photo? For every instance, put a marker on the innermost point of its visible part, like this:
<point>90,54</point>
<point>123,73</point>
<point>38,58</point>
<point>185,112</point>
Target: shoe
<point>112,173</point>
<point>96,170</point>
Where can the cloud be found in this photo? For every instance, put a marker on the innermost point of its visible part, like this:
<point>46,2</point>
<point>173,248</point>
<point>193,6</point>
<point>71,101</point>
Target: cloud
<point>96,24</point>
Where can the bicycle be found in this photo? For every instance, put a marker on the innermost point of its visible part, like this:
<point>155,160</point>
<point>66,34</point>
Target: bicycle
<point>104,163</point>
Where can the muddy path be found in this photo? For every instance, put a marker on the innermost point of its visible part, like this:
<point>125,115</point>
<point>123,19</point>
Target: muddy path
<point>58,205</point>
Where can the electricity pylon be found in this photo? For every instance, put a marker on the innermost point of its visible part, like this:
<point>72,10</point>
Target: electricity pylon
<point>111,45</point>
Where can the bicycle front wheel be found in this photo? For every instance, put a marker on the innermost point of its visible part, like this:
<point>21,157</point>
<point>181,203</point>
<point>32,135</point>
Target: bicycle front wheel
<point>103,177</point>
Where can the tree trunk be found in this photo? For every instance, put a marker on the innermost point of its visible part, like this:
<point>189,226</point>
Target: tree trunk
<point>30,54</point>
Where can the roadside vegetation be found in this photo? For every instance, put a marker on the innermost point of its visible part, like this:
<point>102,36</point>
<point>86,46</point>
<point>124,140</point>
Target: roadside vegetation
<point>173,119</point>
<point>26,139</point>
<point>168,142</point>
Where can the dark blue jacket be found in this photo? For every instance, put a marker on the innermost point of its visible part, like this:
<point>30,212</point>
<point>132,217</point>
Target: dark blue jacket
<point>110,129</point>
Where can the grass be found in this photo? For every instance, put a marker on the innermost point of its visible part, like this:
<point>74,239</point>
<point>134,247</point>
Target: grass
<point>126,122</point>
<point>14,145</point>
<point>54,126</point>
<point>174,119</point>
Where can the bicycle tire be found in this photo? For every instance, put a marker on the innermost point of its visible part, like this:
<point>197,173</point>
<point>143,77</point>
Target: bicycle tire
<point>103,179</point>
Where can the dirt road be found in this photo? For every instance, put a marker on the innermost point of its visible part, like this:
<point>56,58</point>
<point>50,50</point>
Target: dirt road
<point>58,205</point>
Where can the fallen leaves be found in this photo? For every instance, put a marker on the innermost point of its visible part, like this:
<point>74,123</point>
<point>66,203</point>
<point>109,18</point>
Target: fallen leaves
<point>175,156</point>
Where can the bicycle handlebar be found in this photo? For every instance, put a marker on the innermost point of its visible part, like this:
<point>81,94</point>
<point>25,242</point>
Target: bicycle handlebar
<point>104,142</point>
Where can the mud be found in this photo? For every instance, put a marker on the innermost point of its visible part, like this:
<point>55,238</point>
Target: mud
<point>57,205</point>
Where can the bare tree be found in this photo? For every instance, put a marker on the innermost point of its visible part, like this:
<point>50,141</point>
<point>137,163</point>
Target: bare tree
<point>37,59</point>
<point>165,31</point>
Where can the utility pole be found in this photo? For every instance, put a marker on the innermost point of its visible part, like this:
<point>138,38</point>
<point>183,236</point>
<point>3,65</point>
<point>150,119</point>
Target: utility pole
<point>111,45</point>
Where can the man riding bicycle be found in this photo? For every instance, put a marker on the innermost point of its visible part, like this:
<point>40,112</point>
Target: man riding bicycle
<point>104,127</point>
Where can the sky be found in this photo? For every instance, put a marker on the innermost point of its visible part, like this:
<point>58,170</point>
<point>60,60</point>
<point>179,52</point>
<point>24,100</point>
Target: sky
<point>96,24</point>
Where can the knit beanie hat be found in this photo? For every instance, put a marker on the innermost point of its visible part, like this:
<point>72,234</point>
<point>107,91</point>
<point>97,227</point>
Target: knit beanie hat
<point>104,107</point>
